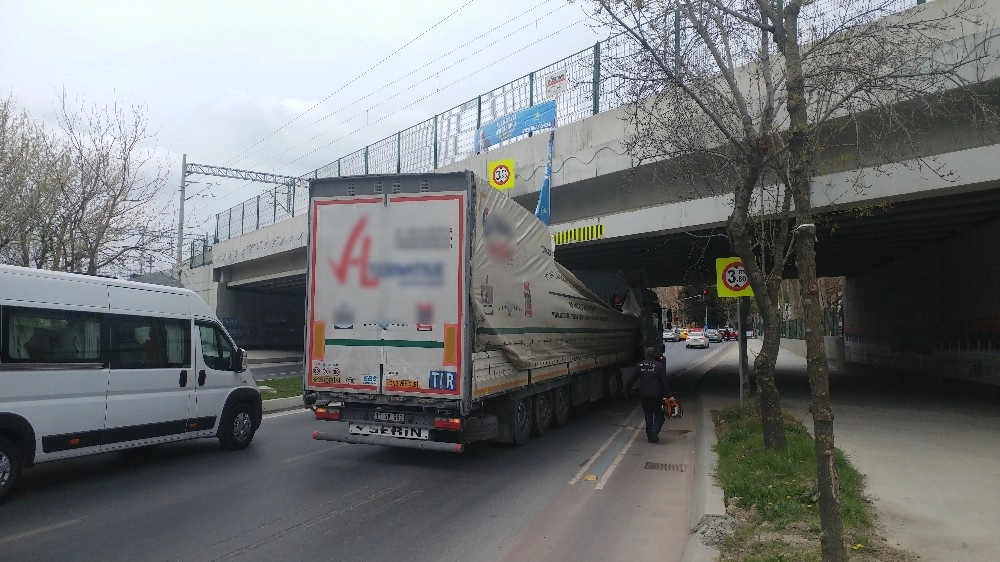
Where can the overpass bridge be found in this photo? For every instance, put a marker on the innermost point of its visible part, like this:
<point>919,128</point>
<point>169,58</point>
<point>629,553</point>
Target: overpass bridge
<point>918,249</point>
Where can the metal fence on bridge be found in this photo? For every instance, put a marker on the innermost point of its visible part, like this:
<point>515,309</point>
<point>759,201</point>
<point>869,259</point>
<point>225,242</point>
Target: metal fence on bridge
<point>583,84</point>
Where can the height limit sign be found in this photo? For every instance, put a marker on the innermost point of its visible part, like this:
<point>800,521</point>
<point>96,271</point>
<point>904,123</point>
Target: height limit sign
<point>731,277</point>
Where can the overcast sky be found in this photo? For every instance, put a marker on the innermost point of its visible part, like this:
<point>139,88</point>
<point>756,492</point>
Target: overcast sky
<point>217,77</point>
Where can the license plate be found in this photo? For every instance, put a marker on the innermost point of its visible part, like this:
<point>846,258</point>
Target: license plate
<point>386,416</point>
<point>400,431</point>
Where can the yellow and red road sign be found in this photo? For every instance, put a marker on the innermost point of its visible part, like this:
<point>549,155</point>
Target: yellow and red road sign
<point>731,278</point>
<point>501,174</point>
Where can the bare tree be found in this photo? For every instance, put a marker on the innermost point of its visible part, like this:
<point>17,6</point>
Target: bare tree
<point>705,109</point>
<point>86,197</point>
<point>865,74</point>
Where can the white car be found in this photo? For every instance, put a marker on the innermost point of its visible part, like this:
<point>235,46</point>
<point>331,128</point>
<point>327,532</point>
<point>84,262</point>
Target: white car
<point>670,335</point>
<point>697,339</point>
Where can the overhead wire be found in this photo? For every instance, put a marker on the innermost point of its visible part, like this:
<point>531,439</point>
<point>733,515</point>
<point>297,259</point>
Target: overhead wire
<point>389,84</point>
<point>237,158</point>
<point>466,77</point>
<point>384,117</point>
<point>382,88</point>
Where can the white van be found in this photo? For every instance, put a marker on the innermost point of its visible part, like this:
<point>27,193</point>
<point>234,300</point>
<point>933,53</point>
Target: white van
<point>91,364</point>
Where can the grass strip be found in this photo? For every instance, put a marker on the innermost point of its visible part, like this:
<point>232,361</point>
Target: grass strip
<point>283,388</point>
<point>774,497</point>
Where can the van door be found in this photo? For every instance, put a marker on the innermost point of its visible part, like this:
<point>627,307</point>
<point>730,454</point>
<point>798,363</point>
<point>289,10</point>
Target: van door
<point>54,373</point>
<point>216,374</point>
<point>151,379</point>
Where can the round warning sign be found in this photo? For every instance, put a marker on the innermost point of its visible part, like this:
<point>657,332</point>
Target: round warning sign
<point>501,174</point>
<point>732,277</point>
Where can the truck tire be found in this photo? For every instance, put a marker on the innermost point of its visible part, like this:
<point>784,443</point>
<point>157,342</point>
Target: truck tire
<point>542,416</point>
<point>236,429</point>
<point>10,466</point>
<point>522,422</point>
<point>613,387</point>
<point>561,404</point>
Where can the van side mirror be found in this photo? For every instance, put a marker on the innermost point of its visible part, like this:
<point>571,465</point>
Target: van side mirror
<point>240,361</point>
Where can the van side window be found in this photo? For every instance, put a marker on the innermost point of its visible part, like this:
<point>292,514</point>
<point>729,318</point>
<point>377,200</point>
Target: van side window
<point>37,335</point>
<point>215,347</point>
<point>178,341</point>
<point>138,342</point>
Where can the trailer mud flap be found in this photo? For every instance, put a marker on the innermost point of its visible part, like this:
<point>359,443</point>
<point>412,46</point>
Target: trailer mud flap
<point>390,442</point>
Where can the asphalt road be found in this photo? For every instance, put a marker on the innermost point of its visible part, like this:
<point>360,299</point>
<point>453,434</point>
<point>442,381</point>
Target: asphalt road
<point>586,491</point>
<point>276,371</point>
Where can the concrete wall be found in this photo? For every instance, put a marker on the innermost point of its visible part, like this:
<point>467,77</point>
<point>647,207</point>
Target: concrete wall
<point>254,318</point>
<point>936,312</point>
<point>263,320</point>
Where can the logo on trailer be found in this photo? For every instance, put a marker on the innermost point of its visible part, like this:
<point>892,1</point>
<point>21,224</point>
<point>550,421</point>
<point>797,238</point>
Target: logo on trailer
<point>498,235</point>
<point>369,379</point>
<point>357,253</point>
<point>425,317</point>
<point>343,318</point>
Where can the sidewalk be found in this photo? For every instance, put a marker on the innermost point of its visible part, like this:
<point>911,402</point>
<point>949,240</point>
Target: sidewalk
<point>931,461</point>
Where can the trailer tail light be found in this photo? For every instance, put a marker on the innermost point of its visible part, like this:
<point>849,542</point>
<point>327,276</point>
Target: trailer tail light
<point>324,413</point>
<point>448,423</point>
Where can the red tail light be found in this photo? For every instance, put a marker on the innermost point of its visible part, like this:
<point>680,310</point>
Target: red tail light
<point>448,423</point>
<point>324,413</point>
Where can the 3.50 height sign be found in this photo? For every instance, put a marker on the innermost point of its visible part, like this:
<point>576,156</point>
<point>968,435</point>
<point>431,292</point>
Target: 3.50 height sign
<point>731,278</point>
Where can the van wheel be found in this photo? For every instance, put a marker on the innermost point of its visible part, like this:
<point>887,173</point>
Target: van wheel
<point>543,413</point>
<point>522,422</point>
<point>10,466</point>
<point>560,406</point>
<point>236,431</point>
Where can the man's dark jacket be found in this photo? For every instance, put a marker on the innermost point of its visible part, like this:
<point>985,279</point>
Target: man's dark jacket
<point>652,379</point>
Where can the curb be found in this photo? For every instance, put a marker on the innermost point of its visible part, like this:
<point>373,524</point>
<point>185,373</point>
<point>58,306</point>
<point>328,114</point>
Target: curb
<point>708,503</point>
<point>279,404</point>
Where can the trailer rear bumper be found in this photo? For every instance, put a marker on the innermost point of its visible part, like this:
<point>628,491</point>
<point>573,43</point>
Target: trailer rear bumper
<point>390,442</point>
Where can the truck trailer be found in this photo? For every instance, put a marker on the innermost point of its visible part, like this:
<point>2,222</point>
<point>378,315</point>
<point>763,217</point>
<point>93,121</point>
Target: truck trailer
<point>437,316</point>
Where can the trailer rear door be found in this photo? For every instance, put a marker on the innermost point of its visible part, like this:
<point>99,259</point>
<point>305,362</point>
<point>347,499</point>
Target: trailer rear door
<point>387,293</point>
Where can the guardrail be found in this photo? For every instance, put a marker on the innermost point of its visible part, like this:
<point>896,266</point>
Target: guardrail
<point>583,84</point>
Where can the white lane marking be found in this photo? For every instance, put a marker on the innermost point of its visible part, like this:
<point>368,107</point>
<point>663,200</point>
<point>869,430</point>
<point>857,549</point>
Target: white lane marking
<point>38,531</point>
<point>288,413</point>
<point>600,451</point>
<point>607,473</point>
<point>703,359</point>
<point>327,450</point>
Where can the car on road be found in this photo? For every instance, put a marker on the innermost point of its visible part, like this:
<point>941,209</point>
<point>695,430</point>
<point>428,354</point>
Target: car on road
<point>682,334</point>
<point>697,339</point>
<point>670,335</point>
<point>713,336</point>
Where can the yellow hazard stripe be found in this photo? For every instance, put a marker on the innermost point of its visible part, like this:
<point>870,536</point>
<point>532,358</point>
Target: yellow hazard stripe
<point>579,234</point>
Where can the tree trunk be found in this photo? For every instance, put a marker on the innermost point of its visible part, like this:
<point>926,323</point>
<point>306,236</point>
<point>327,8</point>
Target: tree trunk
<point>767,390</point>
<point>800,172</point>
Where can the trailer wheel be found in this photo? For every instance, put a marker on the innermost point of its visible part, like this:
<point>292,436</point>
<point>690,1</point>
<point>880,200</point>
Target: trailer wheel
<point>543,413</point>
<point>522,422</point>
<point>614,385</point>
<point>560,406</point>
<point>10,465</point>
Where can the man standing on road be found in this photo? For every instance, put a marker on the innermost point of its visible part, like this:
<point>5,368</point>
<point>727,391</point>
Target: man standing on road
<point>653,388</point>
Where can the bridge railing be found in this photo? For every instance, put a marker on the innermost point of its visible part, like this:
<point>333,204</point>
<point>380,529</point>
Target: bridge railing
<point>583,84</point>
